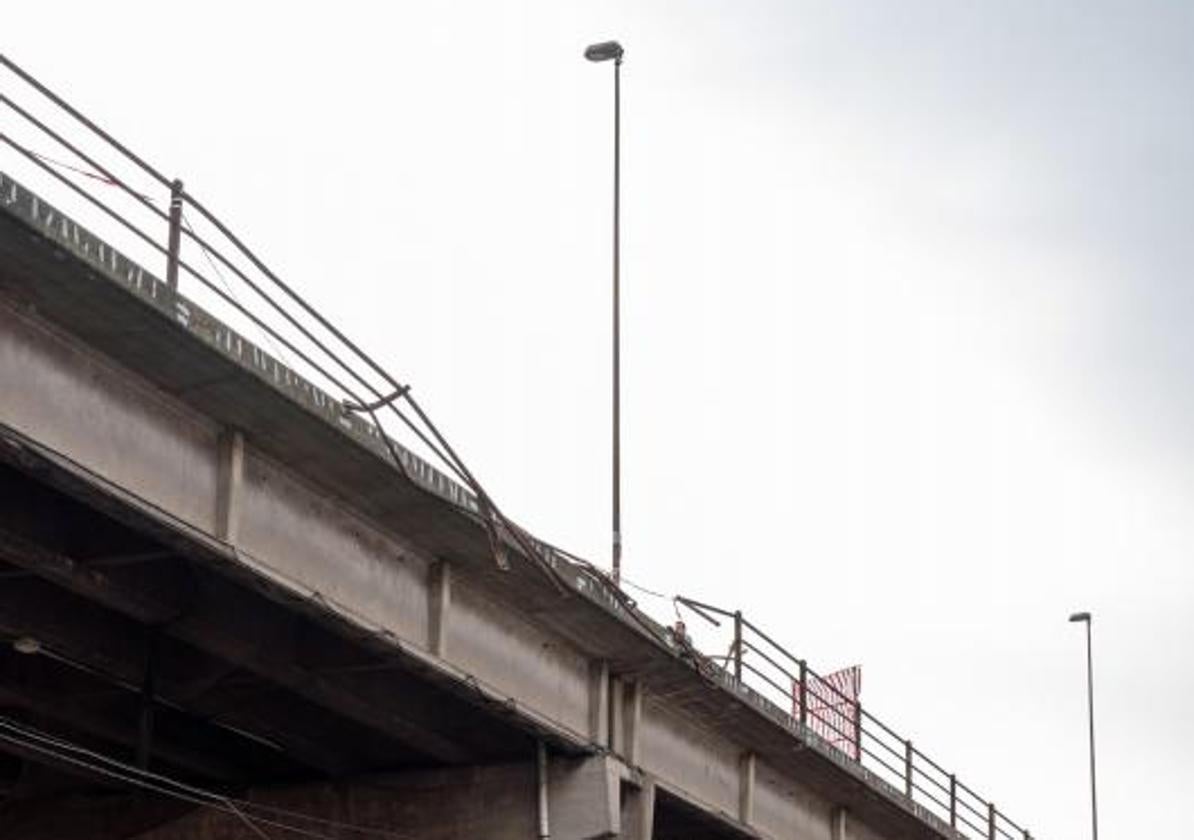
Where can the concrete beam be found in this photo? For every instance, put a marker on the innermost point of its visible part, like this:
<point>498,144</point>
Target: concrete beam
<point>617,715</point>
<point>746,788</point>
<point>230,479</point>
<point>88,816</point>
<point>439,607</point>
<point>632,719</point>
<point>638,811</point>
<point>837,824</point>
<point>148,604</point>
<point>599,702</point>
<point>230,624</point>
<point>492,802</point>
<point>140,408</point>
<point>23,687</point>
<point>107,646</point>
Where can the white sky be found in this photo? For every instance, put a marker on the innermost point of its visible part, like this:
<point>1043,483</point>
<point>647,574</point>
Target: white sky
<point>907,290</point>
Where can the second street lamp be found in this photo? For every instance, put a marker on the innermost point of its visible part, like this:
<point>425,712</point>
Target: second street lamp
<point>1084,618</point>
<point>612,51</point>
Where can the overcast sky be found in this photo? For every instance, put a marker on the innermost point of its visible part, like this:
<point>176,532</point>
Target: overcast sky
<point>907,295</point>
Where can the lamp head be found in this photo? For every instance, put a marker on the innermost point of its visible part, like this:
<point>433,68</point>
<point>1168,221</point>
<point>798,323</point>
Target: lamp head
<point>27,645</point>
<point>1081,616</point>
<point>604,51</point>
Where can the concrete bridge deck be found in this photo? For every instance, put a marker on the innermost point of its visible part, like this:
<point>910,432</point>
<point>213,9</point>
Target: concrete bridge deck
<point>185,519</point>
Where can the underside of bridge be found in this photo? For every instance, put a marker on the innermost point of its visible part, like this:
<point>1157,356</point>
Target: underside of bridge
<point>226,612</point>
<point>144,695</point>
<point>116,643</point>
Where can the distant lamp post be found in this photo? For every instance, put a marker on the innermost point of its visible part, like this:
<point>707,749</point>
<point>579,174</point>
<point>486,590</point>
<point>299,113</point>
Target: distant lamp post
<point>612,51</point>
<point>1084,618</point>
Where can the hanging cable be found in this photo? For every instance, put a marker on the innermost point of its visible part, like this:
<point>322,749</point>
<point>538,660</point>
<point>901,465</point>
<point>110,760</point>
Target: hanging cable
<point>186,223</point>
<point>77,755</point>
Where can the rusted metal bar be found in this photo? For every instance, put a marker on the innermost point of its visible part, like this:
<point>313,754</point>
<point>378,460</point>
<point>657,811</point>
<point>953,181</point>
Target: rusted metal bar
<point>857,731</point>
<point>738,645</point>
<point>908,768</point>
<point>953,801</point>
<point>803,693</point>
<point>173,243</point>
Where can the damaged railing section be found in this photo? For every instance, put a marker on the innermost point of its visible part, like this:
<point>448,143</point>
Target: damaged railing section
<point>161,220</point>
<point>315,363</point>
<point>826,711</point>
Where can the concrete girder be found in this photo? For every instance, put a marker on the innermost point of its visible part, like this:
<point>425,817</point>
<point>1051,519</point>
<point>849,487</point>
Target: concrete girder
<point>324,516</point>
<point>87,816</point>
<point>588,798</point>
<point>106,721</point>
<point>108,646</point>
<point>233,625</point>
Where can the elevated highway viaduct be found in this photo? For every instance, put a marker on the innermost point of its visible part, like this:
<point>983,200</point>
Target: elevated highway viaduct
<point>210,571</point>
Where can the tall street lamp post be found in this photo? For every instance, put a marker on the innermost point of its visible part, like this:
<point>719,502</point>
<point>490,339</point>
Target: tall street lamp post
<point>1084,618</point>
<point>607,51</point>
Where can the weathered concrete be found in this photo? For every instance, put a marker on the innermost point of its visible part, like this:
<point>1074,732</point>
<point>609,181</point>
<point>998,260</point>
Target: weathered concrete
<point>588,799</point>
<point>128,395</point>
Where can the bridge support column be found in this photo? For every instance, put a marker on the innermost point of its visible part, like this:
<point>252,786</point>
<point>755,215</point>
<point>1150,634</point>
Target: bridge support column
<point>638,811</point>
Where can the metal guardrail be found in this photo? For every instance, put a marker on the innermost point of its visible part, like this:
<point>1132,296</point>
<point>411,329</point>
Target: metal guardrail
<point>321,352</point>
<point>755,660</point>
<point>821,710</point>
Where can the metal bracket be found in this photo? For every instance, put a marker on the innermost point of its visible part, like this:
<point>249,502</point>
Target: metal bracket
<point>350,406</point>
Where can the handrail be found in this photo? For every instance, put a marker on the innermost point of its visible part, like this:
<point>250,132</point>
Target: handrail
<point>499,527</point>
<point>757,661</point>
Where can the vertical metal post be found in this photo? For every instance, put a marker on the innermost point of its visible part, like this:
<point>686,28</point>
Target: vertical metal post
<point>953,801</point>
<point>1085,618</point>
<point>1094,808</point>
<point>738,646</point>
<point>617,489</point>
<point>908,769</point>
<point>175,236</point>
<point>803,693</point>
<point>990,821</point>
<point>857,731</point>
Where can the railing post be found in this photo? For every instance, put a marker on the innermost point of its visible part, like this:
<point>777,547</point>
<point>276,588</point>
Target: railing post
<point>908,768</point>
<point>953,801</point>
<point>803,694</point>
<point>175,235</point>
<point>857,731</point>
<point>738,646</point>
<point>990,821</point>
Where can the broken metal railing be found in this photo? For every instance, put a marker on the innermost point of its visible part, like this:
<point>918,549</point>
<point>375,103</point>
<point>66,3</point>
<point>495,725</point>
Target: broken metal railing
<point>327,356</point>
<point>819,709</point>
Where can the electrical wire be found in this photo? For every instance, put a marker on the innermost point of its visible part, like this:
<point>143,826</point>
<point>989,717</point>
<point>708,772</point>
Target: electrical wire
<point>429,435</point>
<point>67,751</point>
<point>105,175</point>
<point>223,282</point>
